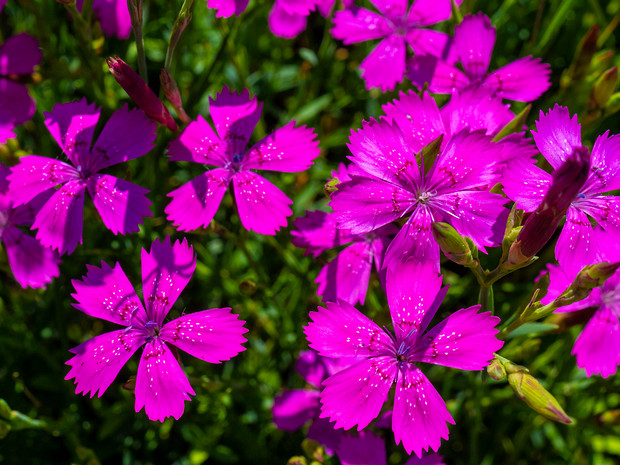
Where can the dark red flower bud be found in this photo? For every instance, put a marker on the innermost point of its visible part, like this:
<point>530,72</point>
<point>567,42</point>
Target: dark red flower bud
<point>140,93</point>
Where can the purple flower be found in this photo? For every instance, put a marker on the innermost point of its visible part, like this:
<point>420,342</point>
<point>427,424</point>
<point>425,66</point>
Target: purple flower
<point>346,276</point>
<point>226,8</point>
<point>367,448</point>
<point>121,204</point>
<point>524,80</point>
<point>355,395</point>
<point>397,27</point>
<point>598,346</point>
<point>263,207</point>
<point>288,18</point>
<point>19,55</point>
<point>295,407</point>
<point>113,16</point>
<point>452,190</point>
<point>32,264</point>
<point>558,135</point>
<point>211,335</point>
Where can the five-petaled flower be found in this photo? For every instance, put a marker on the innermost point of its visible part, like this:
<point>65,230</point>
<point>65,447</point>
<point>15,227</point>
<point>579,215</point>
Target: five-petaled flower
<point>263,207</point>
<point>355,395</point>
<point>213,335</point>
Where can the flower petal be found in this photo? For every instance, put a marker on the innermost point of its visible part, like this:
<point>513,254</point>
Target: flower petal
<point>263,208</point>
<point>285,24</point>
<point>114,17</point>
<point>598,346</point>
<point>412,293</point>
<point>465,340</point>
<point>441,77</point>
<point>126,135</point>
<point>121,204</point>
<point>161,385</point>
<point>32,264</point>
<point>166,270</point>
<point>366,448</point>
<point>227,8</point>
<point>384,67</point>
<point>234,116</point>
<point>429,42</point>
<point>34,175</point>
<point>427,12</point>
<point>365,204</point>
<point>195,203</point>
<point>474,39</point>
<point>414,242</point>
<point>287,149</point>
<point>213,335</point>
<point>526,184</point>
<point>605,165</point>
<point>355,395</point>
<point>106,293</point>
<point>199,143</point>
<point>59,222</point>
<point>576,246</point>
<point>317,231</point>
<point>523,80</point>
<point>98,360</point>
<point>347,275</point>
<point>383,150</point>
<point>556,135</point>
<point>16,101</point>
<point>19,54</point>
<point>359,26</point>
<point>293,408</point>
<point>340,330</point>
<point>311,367</point>
<point>420,414</point>
<point>72,126</point>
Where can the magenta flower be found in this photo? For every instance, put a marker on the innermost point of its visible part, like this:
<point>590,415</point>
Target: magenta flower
<point>226,8</point>
<point>32,264</point>
<point>355,395</point>
<point>347,275</point>
<point>598,346</point>
<point>113,15</point>
<point>398,27</point>
<point>213,335</point>
<point>367,448</point>
<point>263,207</point>
<point>19,55</point>
<point>121,204</point>
<point>452,190</point>
<point>558,135</point>
<point>524,80</point>
<point>295,407</point>
<point>288,18</point>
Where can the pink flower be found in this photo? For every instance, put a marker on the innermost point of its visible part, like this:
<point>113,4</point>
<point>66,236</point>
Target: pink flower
<point>121,204</point>
<point>226,8</point>
<point>597,348</point>
<point>211,335</point>
<point>398,27</point>
<point>113,16</point>
<point>19,55</point>
<point>524,80</point>
<point>263,207</point>
<point>355,395</point>
<point>32,264</point>
<point>557,136</point>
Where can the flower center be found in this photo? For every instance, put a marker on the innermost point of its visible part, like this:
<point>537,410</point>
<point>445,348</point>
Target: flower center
<point>152,329</point>
<point>424,197</point>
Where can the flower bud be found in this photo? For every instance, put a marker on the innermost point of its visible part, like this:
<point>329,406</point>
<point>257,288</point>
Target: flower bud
<point>452,244</point>
<point>496,370</point>
<point>172,94</point>
<point>603,88</point>
<point>592,276</point>
<point>528,389</point>
<point>140,93</point>
<point>585,51</point>
<point>541,224</point>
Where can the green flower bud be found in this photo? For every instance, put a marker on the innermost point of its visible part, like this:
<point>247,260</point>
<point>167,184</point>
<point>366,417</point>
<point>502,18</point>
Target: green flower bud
<point>528,389</point>
<point>496,370</point>
<point>603,88</point>
<point>452,244</point>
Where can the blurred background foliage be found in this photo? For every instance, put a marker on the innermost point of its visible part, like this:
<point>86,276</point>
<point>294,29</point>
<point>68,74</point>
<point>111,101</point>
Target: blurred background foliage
<point>313,79</point>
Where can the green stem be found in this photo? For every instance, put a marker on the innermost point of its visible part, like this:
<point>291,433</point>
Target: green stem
<point>180,23</point>
<point>485,299</point>
<point>135,12</point>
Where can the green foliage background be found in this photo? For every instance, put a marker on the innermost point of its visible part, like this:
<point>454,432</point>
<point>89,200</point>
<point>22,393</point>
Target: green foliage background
<point>313,79</point>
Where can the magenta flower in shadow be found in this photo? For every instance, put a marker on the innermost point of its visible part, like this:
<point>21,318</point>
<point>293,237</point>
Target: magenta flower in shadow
<point>355,395</point>
<point>295,407</point>
<point>32,264</point>
<point>397,25</point>
<point>113,15</point>
<point>524,80</point>
<point>226,8</point>
<point>121,204</point>
<point>19,55</point>
<point>558,136</point>
<point>263,207</point>
<point>213,335</point>
<point>597,348</point>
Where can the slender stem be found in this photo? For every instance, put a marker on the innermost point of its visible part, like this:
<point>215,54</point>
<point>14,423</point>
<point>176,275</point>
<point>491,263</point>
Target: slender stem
<point>183,19</point>
<point>135,12</point>
<point>485,299</point>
